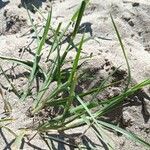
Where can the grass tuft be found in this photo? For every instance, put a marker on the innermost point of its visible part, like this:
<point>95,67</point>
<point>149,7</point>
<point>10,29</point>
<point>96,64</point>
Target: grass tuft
<point>63,95</point>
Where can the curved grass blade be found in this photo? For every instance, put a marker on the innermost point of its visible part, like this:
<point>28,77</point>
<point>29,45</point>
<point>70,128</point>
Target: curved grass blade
<point>27,64</point>
<point>115,101</point>
<point>128,134</point>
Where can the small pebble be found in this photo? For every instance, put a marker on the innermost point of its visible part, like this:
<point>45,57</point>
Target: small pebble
<point>132,35</point>
<point>139,33</point>
<point>131,23</point>
<point>135,4</point>
<point>127,19</point>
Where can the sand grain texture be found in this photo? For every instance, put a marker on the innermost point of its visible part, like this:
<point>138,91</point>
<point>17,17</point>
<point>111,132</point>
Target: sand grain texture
<point>132,18</point>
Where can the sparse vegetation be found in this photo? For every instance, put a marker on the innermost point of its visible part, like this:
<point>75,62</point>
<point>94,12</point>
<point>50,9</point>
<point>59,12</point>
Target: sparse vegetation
<point>57,93</point>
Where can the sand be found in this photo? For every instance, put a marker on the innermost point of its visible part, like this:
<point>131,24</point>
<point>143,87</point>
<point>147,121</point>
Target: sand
<point>132,19</point>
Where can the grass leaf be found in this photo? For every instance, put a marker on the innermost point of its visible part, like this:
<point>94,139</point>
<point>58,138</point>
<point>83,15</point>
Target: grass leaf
<point>128,134</point>
<point>124,53</point>
<point>18,141</point>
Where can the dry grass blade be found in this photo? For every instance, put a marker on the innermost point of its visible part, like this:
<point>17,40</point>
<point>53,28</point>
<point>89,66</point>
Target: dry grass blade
<point>7,106</point>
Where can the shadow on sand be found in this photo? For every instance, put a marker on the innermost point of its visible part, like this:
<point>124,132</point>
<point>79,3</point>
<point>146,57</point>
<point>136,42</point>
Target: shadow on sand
<point>3,4</point>
<point>29,4</point>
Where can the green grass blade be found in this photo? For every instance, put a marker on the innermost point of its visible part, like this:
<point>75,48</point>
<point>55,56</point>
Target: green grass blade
<point>73,77</point>
<point>6,120</point>
<point>18,141</point>
<point>33,26</point>
<point>58,70</point>
<point>110,143</point>
<point>39,49</point>
<point>74,33</point>
<point>76,61</point>
<point>77,44</point>
<point>42,42</point>
<point>80,15</point>
<point>74,17</point>
<point>128,134</point>
<point>37,57</point>
<point>124,53</point>
<point>56,40</point>
<point>27,64</point>
<point>41,103</point>
<point>99,89</point>
<point>62,101</point>
<point>115,101</point>
<point>100,130</point>
<point>44,87</point>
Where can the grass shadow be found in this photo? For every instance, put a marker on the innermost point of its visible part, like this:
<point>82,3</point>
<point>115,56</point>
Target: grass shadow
<point>29,4</point>
<point>71,141</point>
<point>3,4</point>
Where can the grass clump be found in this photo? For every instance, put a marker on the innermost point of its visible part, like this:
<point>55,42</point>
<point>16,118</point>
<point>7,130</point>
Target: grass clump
<point>63,95</point>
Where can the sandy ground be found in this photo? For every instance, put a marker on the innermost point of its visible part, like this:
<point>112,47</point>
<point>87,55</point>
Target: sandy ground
<point>132,18</point>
